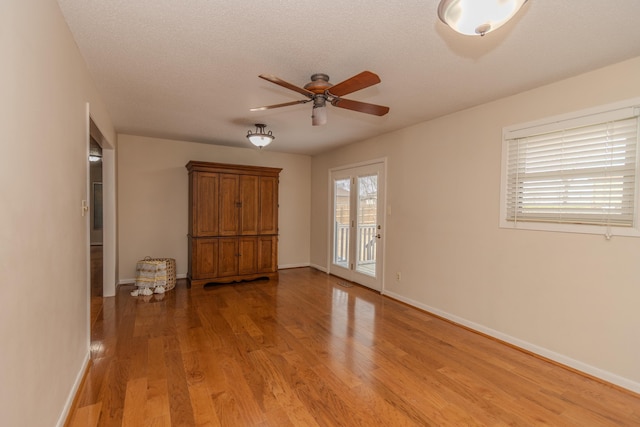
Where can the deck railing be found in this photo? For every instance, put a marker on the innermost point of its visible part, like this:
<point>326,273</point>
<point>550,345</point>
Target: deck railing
<point>366,241</point>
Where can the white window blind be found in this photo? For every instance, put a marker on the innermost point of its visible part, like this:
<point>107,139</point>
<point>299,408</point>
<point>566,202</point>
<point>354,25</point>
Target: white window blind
<point>578,171</point>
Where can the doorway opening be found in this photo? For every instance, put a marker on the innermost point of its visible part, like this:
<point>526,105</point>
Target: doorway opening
<point>96,215</point>
<point>96,255</point>
<point>101,226</point>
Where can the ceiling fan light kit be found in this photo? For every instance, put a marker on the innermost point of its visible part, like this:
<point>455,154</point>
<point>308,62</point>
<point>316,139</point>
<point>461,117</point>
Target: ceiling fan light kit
<point>320,91</point>
<point>477,17</point>
<point>319,116</point>
<point>260,138</point>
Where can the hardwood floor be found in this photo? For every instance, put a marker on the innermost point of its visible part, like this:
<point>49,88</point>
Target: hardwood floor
<point>305,350</point>
<point>96,281</point>
<point>96,270</point>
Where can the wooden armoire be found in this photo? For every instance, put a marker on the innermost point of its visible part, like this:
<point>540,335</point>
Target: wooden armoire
<point>233,222</point>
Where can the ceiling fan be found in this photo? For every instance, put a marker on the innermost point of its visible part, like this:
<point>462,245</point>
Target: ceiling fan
<point>320,91</point>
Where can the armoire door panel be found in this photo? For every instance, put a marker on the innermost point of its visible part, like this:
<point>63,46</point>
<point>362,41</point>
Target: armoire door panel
<point>249,197</point>
<point>229,205</point>
<point>228,257</point>
<point>205,204</point>
<point>205,253</point>
<point>248,250</point>
<point>267,258</point>
<point>268,223</point>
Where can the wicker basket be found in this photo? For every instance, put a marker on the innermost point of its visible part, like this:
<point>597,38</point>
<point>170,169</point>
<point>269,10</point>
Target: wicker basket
<point>171,270</point>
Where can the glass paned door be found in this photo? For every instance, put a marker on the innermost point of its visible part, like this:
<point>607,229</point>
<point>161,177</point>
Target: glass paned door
<point>367,232</point>
<point>342,218</point>
<point>357,201</point>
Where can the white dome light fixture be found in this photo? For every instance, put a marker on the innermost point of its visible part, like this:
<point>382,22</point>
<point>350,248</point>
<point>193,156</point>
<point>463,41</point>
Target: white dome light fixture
<point>477,17</point>
<point>260,138</point>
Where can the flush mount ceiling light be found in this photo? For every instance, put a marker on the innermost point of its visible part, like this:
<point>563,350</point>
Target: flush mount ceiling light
<point>477,17</point>
<point>260,138</point>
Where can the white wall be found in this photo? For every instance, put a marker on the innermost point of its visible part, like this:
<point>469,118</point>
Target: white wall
<point>571,297</point>
<point>153,198</point>
<point>44,310</point>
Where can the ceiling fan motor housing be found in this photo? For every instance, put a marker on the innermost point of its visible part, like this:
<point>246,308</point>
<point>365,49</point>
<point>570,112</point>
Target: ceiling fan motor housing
<point>319,83</point>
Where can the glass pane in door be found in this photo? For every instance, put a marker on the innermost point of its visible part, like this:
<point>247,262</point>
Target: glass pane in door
<point>367,220</point>
<point>341,218</point>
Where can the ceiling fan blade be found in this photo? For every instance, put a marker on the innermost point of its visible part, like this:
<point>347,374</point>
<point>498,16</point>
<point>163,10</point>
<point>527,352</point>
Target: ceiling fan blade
<point>286,104</point>
<point>280,82</point>
<point>357,82</point>
<point>362,107</point>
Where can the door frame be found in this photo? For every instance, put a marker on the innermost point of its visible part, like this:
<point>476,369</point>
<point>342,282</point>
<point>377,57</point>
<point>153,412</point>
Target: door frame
<point>382,209</point>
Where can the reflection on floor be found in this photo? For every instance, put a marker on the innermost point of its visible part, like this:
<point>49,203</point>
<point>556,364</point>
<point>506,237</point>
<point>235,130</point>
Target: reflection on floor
<point>96,281</point>
<point>96,270</point>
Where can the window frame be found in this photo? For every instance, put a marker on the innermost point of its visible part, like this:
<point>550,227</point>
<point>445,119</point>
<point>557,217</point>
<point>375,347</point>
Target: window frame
<point>556,121</point>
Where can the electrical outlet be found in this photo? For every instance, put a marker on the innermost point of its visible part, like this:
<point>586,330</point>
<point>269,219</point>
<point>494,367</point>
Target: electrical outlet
<point>398,276</point>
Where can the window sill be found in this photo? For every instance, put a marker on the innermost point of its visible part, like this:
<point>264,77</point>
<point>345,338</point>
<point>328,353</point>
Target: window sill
<point>605,231</point>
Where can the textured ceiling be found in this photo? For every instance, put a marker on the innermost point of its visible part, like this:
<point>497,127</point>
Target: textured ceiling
<point>188,69</point>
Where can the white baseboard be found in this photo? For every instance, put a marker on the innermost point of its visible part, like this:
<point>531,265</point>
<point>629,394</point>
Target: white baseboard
<point>319,267</point>
<point>74,390</point>
<point>132,281</point>
<point>280,267</point>
<point>541,351</point>
<point>285,266</point>
<point>306,264</point>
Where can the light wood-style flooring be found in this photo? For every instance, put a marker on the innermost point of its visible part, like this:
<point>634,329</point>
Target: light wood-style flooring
<point>96,254</point>
<point>306,350</point>
<point>96,281</point>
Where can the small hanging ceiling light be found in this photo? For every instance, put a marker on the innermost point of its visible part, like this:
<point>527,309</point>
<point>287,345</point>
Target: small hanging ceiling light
<point>260,138</point>
<point>477,17</point>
